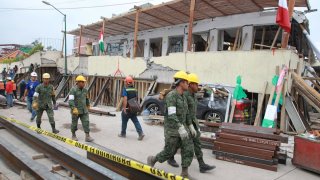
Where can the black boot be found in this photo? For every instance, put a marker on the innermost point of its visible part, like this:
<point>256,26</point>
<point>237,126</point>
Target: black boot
<point>204,167</point>
<point>185,173</point>
<point>151,161</point>
<point>39,126</point>
<point>54,130</point>
<point>172,162</point>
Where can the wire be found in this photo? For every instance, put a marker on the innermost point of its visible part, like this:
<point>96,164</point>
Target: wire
<point>70,8</point>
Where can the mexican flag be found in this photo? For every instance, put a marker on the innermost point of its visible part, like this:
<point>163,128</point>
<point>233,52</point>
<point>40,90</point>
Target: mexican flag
<point>283,18</point>
<point>101,43</point>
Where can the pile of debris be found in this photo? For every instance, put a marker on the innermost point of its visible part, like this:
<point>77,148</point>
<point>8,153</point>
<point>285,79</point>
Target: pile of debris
<point>249,145</point>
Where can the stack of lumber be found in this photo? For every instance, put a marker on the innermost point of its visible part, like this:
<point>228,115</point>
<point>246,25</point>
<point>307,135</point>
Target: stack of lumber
<point>248,145</point>
<point>208,134</point>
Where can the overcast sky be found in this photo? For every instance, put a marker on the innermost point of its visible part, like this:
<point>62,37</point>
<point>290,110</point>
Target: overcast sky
<point>23,27</point>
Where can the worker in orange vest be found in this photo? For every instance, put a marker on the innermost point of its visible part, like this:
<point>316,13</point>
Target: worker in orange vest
<point>2,88</point>
<point>14,89</point>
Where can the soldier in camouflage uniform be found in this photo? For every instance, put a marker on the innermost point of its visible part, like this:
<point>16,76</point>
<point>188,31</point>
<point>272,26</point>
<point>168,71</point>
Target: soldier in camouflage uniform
<point>176,128</point>
<point>79,104</point>
<point>192,107</point>
<point>43,98</point>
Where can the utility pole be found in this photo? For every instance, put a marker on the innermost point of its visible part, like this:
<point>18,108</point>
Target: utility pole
<point>65,36</point>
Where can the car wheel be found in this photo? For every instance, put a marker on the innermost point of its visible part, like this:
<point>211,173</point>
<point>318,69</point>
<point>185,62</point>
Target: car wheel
<point>154,109</point>
<point>214,116</point>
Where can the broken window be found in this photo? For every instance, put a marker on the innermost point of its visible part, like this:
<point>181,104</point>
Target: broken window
<point>200,42</point>
<point>175,44</point>
<point>264,37</point>
<point>140,48</point>
<point>230,39</point>
<point>155,47</point>
<point>114,49</point>
<point>96,50</point>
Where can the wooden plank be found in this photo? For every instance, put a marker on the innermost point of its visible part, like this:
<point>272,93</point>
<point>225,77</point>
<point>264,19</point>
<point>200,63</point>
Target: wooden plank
<point>248,163</point>
<point>136,29</point>
<point>80,38</point>
<point>257,121</point>
<point>263,36</point>
<point>233,106</point>
<point>236,40</point>
<point>191,18</point>
<point>249,139</point>
<point>247,144</point>
<point>247,128</point>
<point>275,38</point>
<point>102,90</point>
<point>244,150</point>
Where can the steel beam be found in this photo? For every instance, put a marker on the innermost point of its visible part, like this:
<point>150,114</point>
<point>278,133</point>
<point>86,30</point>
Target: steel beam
<point>71,161</point>
<point>19,161</point>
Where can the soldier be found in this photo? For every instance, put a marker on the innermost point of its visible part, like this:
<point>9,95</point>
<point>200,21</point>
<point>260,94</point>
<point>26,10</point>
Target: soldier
<point>79,104</point>
<point>43,98</point>
<point>176,127</point>
<point>194,127</point>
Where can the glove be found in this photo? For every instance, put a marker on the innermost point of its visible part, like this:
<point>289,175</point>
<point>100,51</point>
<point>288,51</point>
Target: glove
<point>192,130</point>
<point>183,132</point>
<point>75,111</point>
<point>35,105</point>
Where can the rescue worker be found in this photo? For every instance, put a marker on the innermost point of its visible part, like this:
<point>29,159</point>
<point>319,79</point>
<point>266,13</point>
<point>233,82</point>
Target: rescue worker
<point>14,90</point>
<point>192,107</point>
<point>176,128</point>
<point>2,88</point>
<point>30,89</point>
<point>79,104</point>
<point>129,92</point>
<point>43,98</point>
<point>9,92</point>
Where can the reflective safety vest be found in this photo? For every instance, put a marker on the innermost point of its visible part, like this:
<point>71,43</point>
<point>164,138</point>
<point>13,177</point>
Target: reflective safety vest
<point>14,86</point>
<point>1,86</point>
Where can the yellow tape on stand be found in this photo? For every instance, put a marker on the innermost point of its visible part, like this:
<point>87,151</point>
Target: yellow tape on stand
<point>116,158</point>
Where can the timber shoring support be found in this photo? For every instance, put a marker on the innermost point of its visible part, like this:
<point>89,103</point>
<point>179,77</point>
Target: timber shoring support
<point>66,82</point>
<point>101,92</point>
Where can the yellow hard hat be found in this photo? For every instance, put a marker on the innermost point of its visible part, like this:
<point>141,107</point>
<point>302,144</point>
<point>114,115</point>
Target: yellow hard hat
<point>46,76</point>
<point>81,78</point>
<point>193,78</point>
<point>181,75</point>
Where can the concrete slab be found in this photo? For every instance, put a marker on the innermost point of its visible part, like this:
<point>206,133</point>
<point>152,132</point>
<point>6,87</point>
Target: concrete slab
<point>105,130</point>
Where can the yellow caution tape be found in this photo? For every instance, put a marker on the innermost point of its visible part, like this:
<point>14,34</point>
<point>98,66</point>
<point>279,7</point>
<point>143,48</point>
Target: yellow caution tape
<point>116,158</point>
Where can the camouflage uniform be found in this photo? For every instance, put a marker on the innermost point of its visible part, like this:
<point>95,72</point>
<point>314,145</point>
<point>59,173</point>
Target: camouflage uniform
<point>192,107</point>
<point>172,120</point>
<point>45,96</point>
<point>78,98</point>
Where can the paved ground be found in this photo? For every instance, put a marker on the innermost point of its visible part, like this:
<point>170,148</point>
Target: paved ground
<point>105,130</point>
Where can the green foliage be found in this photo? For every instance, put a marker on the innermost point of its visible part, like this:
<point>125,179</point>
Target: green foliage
<point>36,48</point>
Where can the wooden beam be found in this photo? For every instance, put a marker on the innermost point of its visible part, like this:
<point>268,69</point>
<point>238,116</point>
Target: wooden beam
<point>136,30</point>
<point>158,17</point>
<point>216,9</point>
<point>102,90</point>
<point>144,24</point>
<point>286,35</point>
<point>174,9</point>
<point>191,17</point>
<point>275,38</point>
<point>255,3</point>
<point>80,38</point>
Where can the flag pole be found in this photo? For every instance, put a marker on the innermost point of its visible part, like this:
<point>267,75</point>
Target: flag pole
<point>286,35</point>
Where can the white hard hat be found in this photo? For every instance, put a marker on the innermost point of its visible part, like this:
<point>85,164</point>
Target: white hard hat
<point>34,74</point>
<point>9,78</point>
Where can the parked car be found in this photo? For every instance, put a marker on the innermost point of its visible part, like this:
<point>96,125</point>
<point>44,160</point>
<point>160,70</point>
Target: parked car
<point>212,109</point>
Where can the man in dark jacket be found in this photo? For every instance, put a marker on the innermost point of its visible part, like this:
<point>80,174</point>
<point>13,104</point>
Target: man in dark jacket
<point>129,93</point>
